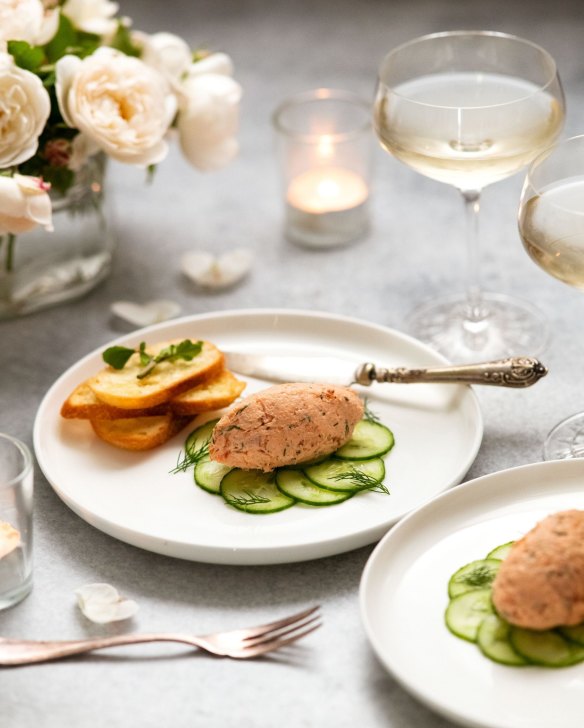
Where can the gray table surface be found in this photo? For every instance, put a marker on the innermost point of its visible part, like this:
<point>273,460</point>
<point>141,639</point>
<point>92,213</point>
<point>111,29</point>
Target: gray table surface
<point>414,252</point>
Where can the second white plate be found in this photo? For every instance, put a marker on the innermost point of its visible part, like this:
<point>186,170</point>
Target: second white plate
<point>132,496</point>
<point>404,595</point>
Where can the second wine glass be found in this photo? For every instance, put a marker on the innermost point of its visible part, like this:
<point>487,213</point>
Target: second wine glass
<point>551,225</point>
<point>470,108</point>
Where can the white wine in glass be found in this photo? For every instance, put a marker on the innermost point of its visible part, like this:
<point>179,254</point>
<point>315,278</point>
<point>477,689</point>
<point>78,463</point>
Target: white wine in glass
<point>551,225</point>
<point>470,109</point>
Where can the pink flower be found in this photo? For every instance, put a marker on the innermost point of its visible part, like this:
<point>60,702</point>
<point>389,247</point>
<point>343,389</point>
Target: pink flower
<point>57,152</point>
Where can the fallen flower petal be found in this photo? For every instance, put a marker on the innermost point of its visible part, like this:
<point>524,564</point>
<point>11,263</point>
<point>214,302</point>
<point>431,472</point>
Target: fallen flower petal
<point>211,272</point>
<point>146,314</point>
<point>101,603</point>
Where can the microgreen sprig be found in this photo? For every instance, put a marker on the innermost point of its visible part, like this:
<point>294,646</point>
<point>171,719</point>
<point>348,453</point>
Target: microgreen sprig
<point>118,356</point>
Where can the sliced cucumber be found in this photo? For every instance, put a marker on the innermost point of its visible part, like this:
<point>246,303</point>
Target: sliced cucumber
<point>546,648</point>
<point>208,475</point>
<point>476,575</point>
<point>253,491</point>
<point>576,634</point>
<point>296,485</point>
<point>200,437</point>
<point>466,612</point>
<point>340,474</point>
<point>369,440</point>
<point>493,641</point>
<point>501,552</point>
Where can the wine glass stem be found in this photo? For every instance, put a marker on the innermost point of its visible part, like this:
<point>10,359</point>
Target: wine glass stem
<point>475,308</point>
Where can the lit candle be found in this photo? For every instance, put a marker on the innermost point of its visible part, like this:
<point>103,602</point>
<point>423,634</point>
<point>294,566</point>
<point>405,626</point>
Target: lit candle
<point>327,189</point>
<point>324,139</point>
<point>327,206</point>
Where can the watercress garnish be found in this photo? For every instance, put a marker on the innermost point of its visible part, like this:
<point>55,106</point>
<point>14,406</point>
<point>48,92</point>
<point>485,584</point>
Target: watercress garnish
<point>118,356</point>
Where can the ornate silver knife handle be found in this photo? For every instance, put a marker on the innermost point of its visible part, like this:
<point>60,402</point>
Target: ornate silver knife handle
<point>517,371</point>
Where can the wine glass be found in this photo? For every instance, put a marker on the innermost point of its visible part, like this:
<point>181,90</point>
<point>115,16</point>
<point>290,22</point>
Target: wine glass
<point>470,108</point>
<point>551,225</point>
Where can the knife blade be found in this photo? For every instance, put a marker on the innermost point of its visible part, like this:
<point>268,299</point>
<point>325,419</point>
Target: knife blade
<point>515,372</point>
<point>279,368</point>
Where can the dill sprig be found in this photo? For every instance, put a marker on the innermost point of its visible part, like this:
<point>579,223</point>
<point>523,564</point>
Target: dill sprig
<point>369,415</point>
<point>251,499</point>
<point>362,481</point>
<point>191,457</point>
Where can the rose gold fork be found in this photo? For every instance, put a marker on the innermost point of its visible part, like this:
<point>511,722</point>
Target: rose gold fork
<point>239,643</point>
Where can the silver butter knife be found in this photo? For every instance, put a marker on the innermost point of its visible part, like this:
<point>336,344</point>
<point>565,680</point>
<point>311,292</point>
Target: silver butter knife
<point>518,371</point>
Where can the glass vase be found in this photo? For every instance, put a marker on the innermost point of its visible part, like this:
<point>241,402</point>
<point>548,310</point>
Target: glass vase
<point>39,269</point>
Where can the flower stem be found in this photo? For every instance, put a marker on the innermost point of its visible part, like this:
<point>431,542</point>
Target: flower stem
<point>10,252</point>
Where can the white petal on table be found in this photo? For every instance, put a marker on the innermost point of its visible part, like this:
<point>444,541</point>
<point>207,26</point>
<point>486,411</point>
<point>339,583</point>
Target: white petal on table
<point>217,272</point>
<point>145,314</point>
<point>102,603</point>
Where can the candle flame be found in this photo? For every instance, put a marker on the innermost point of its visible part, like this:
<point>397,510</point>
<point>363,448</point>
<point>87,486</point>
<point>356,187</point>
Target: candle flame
<point>328,188</point>
<point>325,146</point>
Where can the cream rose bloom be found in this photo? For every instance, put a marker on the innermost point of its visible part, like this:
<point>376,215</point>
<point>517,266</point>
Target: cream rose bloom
<point>27,20</point>
<point>24,204</point>
<point>165,52</point>
<point>213,63</point>
<point>92,16</point>
<point>122,105</point>
<point>208,118</point>
<point>24,109</point>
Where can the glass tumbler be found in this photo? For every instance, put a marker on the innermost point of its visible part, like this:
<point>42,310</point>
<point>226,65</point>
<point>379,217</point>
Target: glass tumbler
<point>324,140</point>
<point>16,490</point>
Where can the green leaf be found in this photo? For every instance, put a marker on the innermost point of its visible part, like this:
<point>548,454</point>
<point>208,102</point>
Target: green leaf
<point>184,350</point>
<point>26,56</point>
<point>188,349</point>
<point>64,39</point>
<point>117,356</point>
<point>50,79</point>
<point>145,358</point>
<point>60,178</point>
<point>122,41</point>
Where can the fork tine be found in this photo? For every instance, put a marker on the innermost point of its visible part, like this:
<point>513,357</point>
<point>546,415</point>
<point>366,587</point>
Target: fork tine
<point>275,644</point>
<point>265,628</point>
<point>281,631</point>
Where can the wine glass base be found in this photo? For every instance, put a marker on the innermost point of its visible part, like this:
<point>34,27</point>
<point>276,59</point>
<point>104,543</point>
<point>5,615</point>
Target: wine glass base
<point>566,440</point>
<point>509,327</point>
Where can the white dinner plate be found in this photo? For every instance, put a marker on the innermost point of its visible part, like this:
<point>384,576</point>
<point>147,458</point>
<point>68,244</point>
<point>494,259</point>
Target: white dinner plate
<point>133,497</point>
<point>404,594</point>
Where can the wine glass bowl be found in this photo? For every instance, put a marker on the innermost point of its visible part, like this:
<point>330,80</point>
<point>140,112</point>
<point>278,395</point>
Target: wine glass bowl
<point>470,108</point>
<point>551,226</point>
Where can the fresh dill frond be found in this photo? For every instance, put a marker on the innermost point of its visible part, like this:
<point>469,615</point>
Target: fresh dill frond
<point>191,457</point>
<point>249,499</point>
<point>369,415</point>
<point>362,481</point>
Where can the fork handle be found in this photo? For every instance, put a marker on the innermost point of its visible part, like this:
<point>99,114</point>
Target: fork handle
<point>28,652</point>
<point>517,371</point>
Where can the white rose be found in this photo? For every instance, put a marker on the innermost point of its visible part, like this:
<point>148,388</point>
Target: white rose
<point>165,52</point>
<point>122,105</point>
<point>27,20</point>
<point>208,120</point>
<point>24,204</point>
<point>92,16</point>
<point>214,63</point>
<point>25,108</point>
